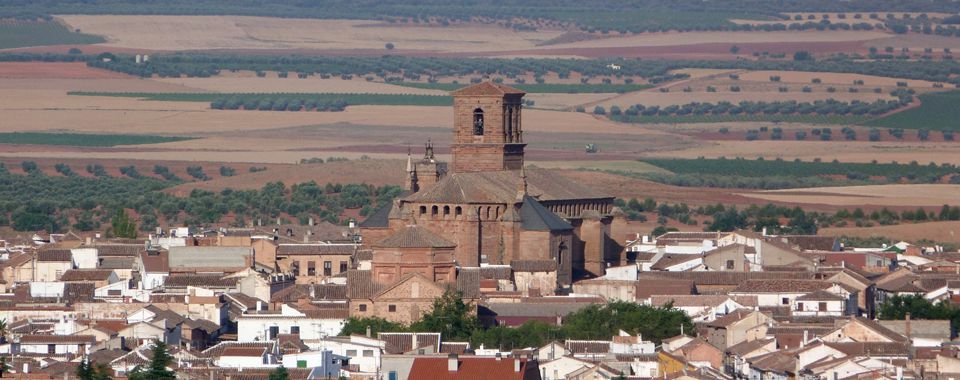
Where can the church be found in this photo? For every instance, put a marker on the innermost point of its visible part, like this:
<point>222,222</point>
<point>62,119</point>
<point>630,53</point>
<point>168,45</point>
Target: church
<point>487,208</point>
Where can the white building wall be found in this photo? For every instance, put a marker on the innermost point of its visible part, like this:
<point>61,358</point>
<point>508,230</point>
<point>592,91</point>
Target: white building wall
<point>84,258</point>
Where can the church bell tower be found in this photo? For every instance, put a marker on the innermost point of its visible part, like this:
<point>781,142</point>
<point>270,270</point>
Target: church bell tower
<point>486,127</point>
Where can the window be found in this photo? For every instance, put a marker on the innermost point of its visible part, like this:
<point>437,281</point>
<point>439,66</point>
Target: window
<point>822,306</point>
<point>327,268</point>
<point>352,353</point>
<point>295,330</point>
<point>478,122</point>
<point>784,301</point>
<point>730,264</point>
<point>114,292</point>
<point>301,364</point>
<point>423,210</point>
<point>368,353</point>
<point>311,268</point>
<point>343,266</point>
<point>434,210</point>
<point>363,307</point>
<point>446,210</point>
<point>458,211</point>
<point>274,331</point>
<point>51,348</point>
<point>295,268</point>
<point>799,306</point>
<point>392,308</point>
<point>392,375</point>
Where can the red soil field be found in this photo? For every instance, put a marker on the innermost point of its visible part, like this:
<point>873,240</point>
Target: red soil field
<point>55,70</point>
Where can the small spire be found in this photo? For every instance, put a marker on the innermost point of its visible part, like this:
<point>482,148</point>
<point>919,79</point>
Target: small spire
<point>409,161</point>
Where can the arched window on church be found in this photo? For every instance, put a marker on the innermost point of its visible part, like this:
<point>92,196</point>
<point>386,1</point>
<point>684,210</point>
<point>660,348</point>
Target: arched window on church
<point>433,210</point>
<point>478,122</point>
<point>458,211</point>
<point>446,211</point>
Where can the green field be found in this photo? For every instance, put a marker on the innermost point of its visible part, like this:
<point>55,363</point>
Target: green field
<point>937,111</point>
<point>539,88</point>
<point>14,34</point>
<point>82,139</point>
<point>812,119</point>
<point>350,99</point>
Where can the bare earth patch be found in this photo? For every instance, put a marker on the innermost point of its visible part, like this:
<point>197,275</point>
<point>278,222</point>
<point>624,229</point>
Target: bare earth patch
<point>940,231</point>
<point>878,195</point>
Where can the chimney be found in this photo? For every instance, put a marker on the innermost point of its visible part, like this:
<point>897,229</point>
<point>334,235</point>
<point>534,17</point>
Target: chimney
<point>452,363</point>
<point>806,337</point>
<point>906,327</point>
<point>313,291</point>
<point>516,365</point>
<point>310,221</point>
<point>259,305</point>
<point>88,240</point>
<point>306,238</point>
<point>368,332</point>
<point>499,357</point>
<point>259,222</point>
<point>26,367</point>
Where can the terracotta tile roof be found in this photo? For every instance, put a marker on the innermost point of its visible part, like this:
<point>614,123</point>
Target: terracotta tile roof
<point>454,347</point>
<point>533,265</point>
<point>496,272</point>
<point>820,295</point>
<point>880,329</point>
<point>57,339</point>
<point>587,346</point>
<point>871,348</point>
<point>501,187</point>
<point>487,89</point>
<point>468,282</point>
<point>360,284</point>
<point>778,362</point>
<point>781,286</point>
<point>647,288</point>
<point>415,236</point>
<point>401,342</point>
<point>200,280</point>
<point>54,255</point>
<point>723,278</point>
<point>364,255</point>
<point>74,292</point>
<point>470,368</point>
<point>86,275</point>
<point>16,260</point>
<point>730,318</point>
<point>156,261</point>
<point>691,236</point>
<point>218,350</point>
<point>315,249</point>
<point>302,291</point>
<point>747,347</point>
<point>244,351</point>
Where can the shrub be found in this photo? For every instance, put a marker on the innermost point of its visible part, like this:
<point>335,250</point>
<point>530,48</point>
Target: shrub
<point>598,110</point>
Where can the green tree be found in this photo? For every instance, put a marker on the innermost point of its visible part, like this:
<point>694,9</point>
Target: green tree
<point>157,368</point>
<point>279,374</point>
<point>451,317</point>
<point>603,321</point>
<point>122,226</point>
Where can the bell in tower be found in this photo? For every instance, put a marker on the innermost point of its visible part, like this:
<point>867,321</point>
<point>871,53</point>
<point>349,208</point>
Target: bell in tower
<point>487,129</point>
